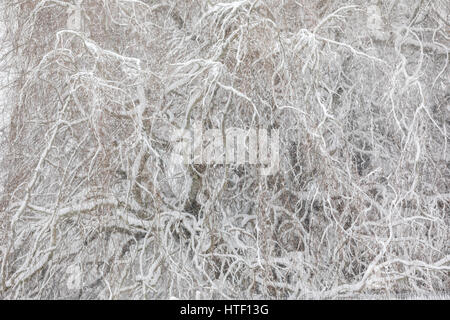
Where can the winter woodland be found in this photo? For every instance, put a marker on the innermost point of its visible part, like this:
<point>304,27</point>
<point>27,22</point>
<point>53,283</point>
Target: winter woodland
<point>353,94</point>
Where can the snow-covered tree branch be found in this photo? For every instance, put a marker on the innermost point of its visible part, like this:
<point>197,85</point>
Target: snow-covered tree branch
<point>96,96</point>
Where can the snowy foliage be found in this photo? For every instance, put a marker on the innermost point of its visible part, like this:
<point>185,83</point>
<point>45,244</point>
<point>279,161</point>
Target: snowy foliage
<point>93,208</point>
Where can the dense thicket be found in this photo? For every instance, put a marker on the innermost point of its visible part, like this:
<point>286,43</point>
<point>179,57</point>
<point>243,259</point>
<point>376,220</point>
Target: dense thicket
<point>93,207</point>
